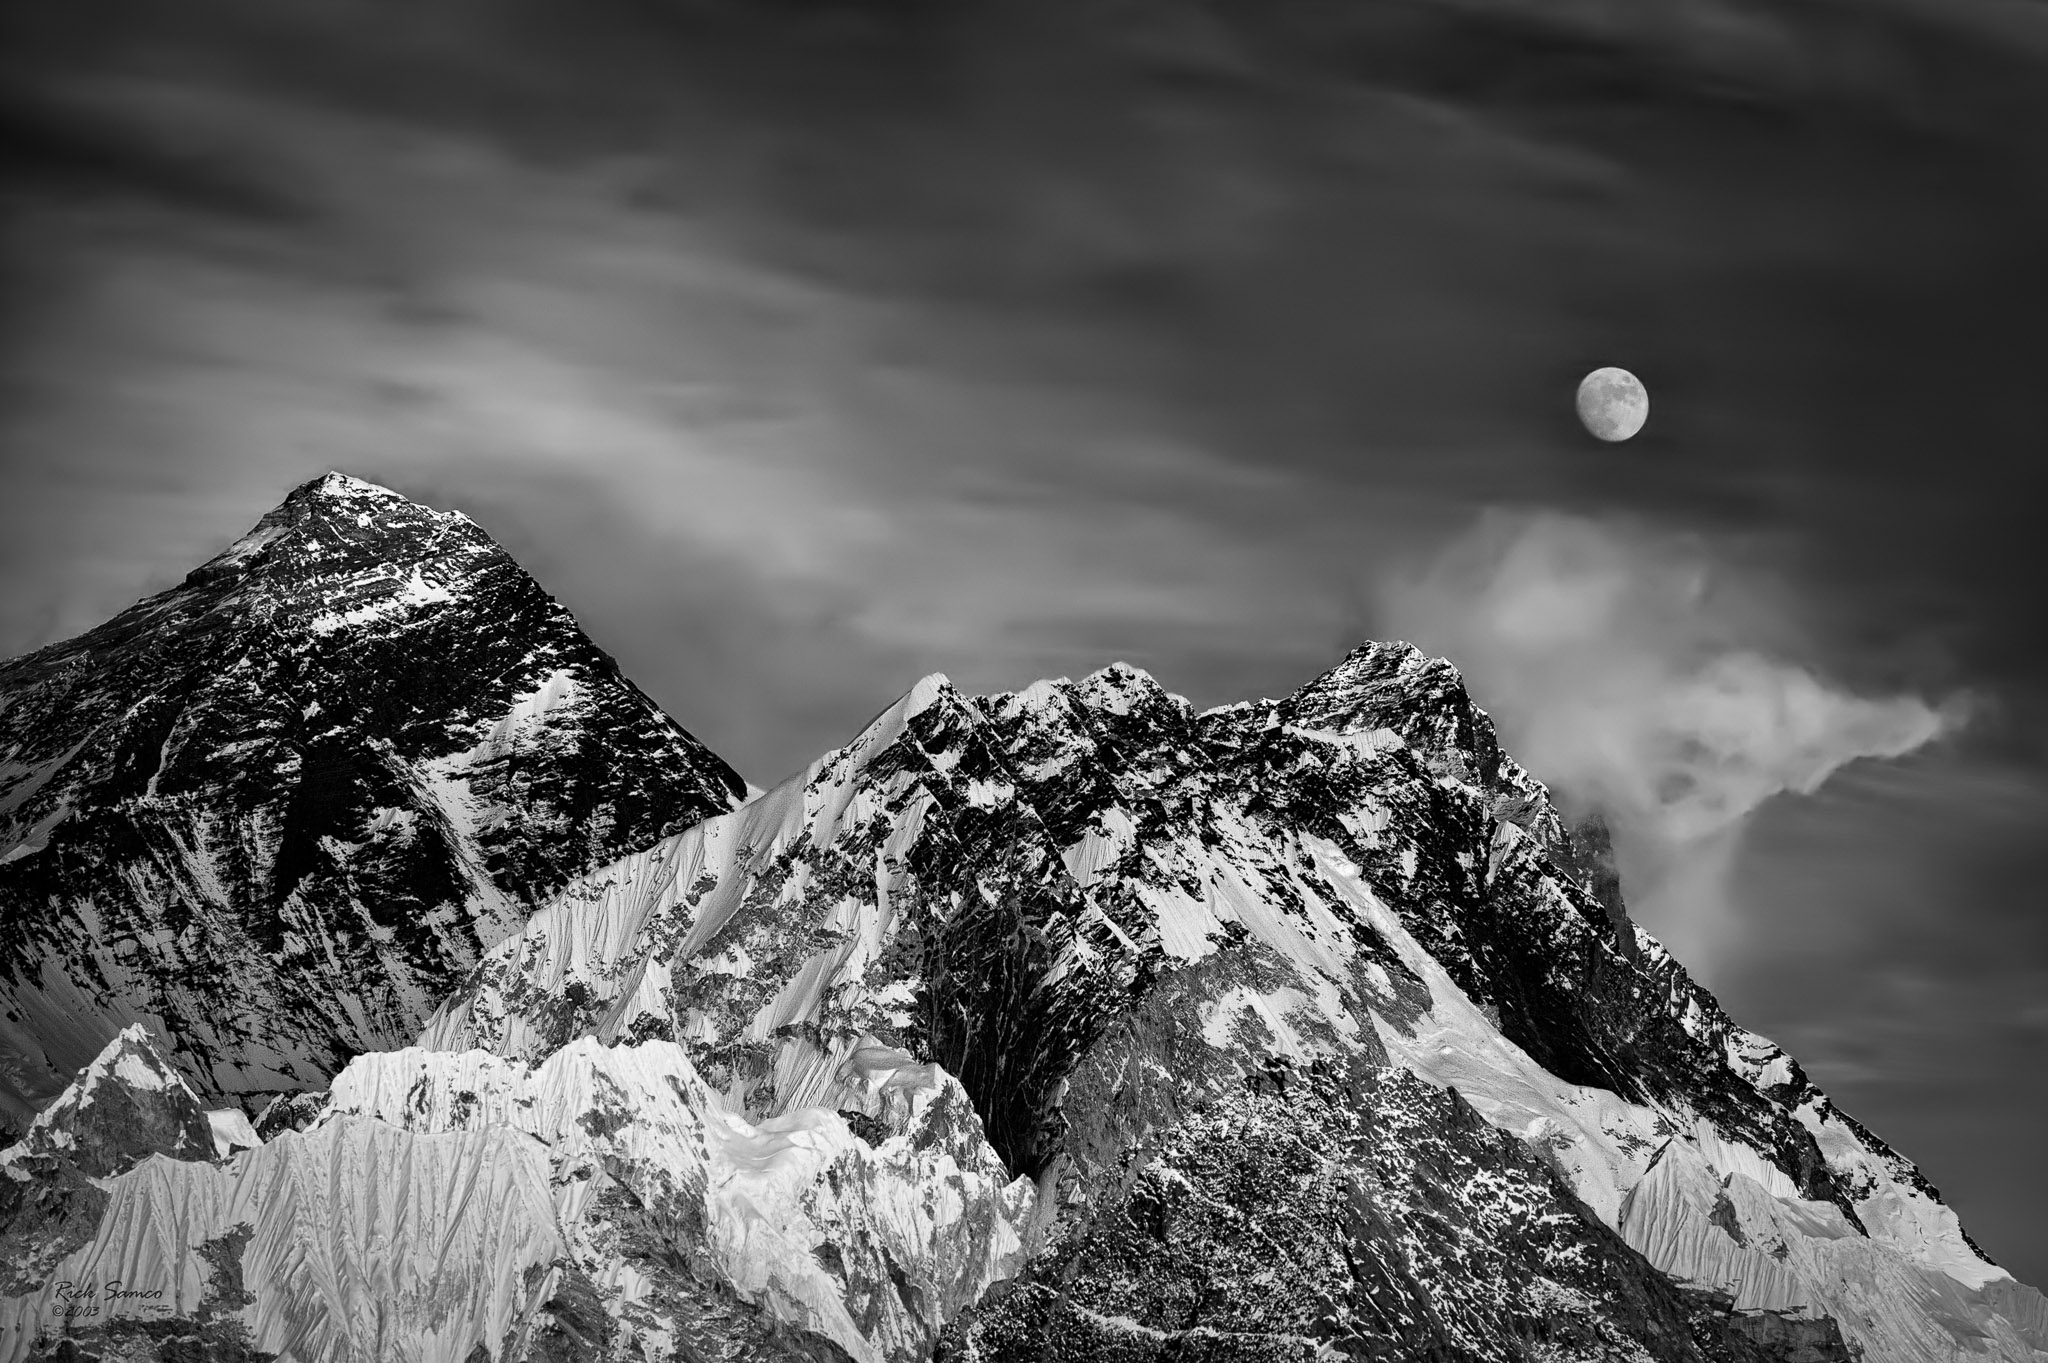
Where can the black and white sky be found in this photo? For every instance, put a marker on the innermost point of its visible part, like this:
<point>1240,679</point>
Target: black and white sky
<point>805,348</point>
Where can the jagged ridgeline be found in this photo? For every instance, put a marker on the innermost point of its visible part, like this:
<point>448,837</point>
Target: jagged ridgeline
<point>1067,1024</point>
<point>279,810</point>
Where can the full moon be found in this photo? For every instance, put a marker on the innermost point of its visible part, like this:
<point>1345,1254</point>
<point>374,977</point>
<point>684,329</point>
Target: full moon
<point>1613,403</point>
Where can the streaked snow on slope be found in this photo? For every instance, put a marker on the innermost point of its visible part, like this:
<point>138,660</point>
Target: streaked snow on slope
<point>442,1199</point>
<point>624,936</point>
<point>412,593</point>
<point>707,1072</point>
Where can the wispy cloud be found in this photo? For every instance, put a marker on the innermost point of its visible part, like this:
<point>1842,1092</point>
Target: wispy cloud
<point>793,457</point>
<point>1642,677</point>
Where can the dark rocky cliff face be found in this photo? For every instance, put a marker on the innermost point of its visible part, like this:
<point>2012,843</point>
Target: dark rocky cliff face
<point>278,810</point>
<point>1255,1208</point>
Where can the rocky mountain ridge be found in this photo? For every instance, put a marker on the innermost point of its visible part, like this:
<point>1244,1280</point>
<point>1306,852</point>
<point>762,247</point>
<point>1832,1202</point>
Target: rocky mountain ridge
<point>1069,1023</point>
<point>276,811</point>
<point>1350,891</point>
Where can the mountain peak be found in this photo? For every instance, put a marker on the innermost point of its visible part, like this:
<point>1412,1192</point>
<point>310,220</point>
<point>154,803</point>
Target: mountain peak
<point>1120,687</point>
<point>1399,687</point>
<point>361,692</point>
<point>127,1104</point>
<point>340,486</point>
<point>1378,684</point>
<point>1385,661</point>
<point>339,524</point>
<point>131,1060</point>
<point>929,691</point>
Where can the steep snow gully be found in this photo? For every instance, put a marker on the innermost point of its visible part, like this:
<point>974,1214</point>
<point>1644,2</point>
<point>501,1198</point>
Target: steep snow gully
<point>1064,1024</point>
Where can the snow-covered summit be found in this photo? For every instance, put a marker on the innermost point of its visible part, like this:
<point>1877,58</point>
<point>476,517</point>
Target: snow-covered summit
<point>126,1105</point>
<point>277,810</point>
<point>336,525</point>
<point>337,485</point>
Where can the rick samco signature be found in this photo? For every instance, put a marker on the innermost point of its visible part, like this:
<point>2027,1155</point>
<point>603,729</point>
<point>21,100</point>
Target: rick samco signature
<point>78,1300</point>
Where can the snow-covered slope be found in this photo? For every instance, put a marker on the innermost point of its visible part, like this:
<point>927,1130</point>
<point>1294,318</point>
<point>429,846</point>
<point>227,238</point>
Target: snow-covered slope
<point>1348,890</point>
<point>443,1202</point>
<point>123,1108</point>
<point>1073,1024</point>
<point>276,811</point>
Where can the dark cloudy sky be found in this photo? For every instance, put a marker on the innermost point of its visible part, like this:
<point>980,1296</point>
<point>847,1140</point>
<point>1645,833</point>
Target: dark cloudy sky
<point>805,348</point>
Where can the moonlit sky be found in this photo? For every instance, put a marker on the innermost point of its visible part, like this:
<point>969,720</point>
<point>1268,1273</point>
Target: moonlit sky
<point>805,348</point>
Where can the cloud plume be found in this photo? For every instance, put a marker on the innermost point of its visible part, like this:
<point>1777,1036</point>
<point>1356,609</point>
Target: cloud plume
<point>1640,678</point>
